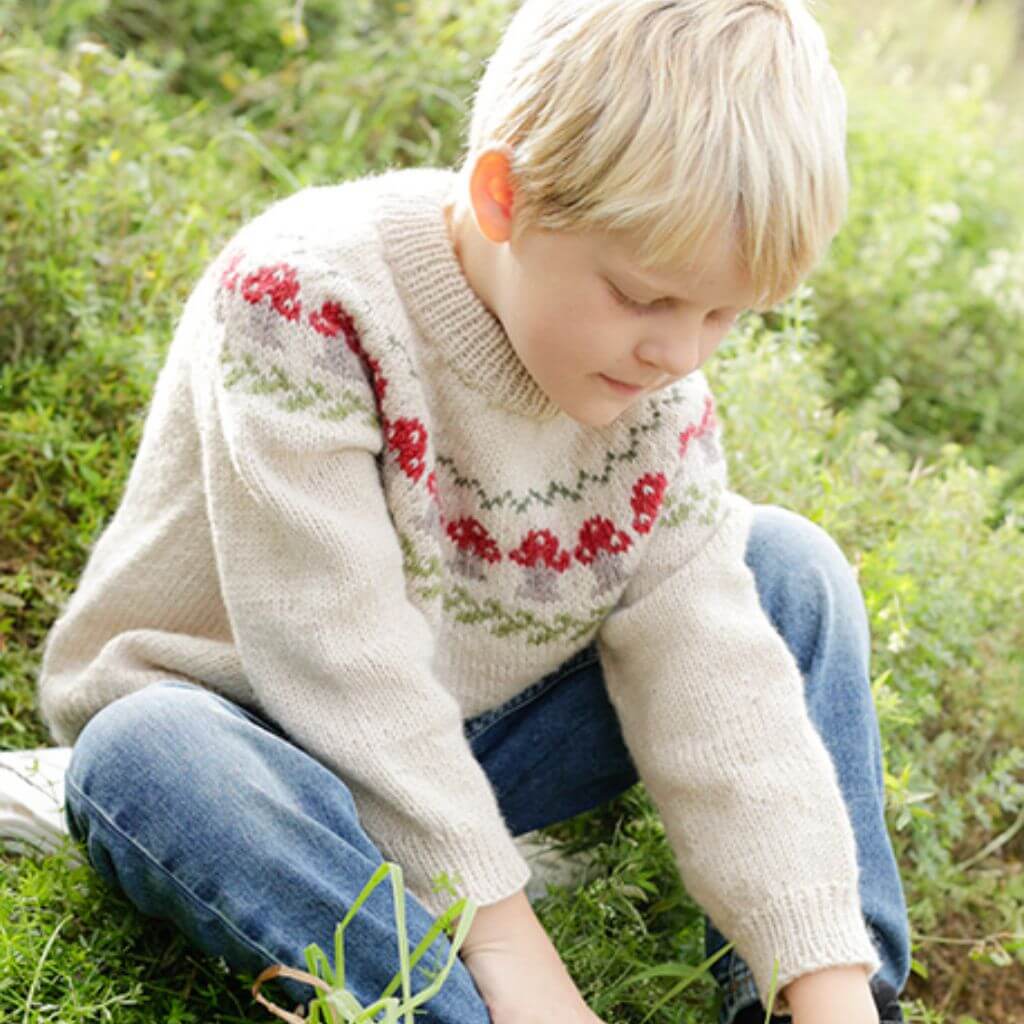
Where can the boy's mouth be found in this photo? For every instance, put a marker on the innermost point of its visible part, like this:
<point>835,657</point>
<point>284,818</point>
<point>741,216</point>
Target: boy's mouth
<point>625,389</point>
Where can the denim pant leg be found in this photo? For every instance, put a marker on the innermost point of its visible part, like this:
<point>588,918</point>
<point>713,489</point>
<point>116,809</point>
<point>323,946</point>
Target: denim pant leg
<point>204,814</point>
<point>557,750</point>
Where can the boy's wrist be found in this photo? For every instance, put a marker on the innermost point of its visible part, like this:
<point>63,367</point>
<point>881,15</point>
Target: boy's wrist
<point>502,920</point>
<point>835,995</point>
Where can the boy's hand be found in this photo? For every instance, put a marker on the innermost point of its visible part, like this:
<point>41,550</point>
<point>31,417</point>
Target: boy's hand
<point>837,995</point>
<point>518,970</point>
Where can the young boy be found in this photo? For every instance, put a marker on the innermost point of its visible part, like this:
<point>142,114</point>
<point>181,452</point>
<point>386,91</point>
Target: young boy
<point>428,543</point>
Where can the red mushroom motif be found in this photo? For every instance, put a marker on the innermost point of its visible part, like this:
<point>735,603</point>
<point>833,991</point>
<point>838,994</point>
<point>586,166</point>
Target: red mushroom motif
<point>709,436</point>
<point>229,275</point>
<point>408,437</point>
<point>648,493</point>
<point>540,557</point>
<point>705,432</point>
<point>475,545</point>
<point>330,320</point>
<point>601,545</point>
<point>277,282</point>
<point>280,283</point>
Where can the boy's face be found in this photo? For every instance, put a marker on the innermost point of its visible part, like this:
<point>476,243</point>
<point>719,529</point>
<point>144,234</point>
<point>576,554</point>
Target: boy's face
<point>564,301</point>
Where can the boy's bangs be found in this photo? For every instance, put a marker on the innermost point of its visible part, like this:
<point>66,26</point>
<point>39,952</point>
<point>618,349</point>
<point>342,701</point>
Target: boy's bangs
<point>668,123</point>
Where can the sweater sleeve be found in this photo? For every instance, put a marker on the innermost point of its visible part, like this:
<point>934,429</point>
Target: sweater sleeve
<point>711,705</point>
<point>311,570</point>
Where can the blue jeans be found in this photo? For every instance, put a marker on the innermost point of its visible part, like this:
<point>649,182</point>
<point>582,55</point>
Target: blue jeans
<point>205,814</point>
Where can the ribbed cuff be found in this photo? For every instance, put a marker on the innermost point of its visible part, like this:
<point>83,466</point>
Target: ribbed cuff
<point>805,931</point>
<point>484,871</point>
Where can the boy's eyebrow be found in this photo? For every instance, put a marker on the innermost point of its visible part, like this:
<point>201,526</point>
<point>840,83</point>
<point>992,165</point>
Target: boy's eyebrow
<point>654,287</point>
<point>664,295</point>
<point>622,269</point>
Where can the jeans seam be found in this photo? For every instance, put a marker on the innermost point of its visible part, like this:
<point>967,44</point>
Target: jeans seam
<point>109,823</point>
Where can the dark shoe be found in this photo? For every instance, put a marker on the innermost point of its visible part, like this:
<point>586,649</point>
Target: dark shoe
<point>886,1000</point>
<point>882,992</point>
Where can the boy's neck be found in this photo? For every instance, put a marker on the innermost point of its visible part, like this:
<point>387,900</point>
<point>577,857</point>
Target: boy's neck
<point>476,255</point>
<point>449,288</point>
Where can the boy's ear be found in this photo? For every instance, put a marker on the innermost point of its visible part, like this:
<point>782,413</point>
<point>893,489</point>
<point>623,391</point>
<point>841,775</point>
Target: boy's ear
<point>492,193</point>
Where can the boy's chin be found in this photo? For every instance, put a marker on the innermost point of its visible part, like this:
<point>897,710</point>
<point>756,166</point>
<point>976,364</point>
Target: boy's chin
<point>590,411</point>
<point>596,418</point>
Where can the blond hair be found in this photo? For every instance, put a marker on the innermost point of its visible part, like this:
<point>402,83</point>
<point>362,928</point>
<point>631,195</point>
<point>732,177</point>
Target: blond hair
<point>667,121</point>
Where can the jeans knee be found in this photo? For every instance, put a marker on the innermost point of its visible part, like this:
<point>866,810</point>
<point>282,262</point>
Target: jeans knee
<point>125,739</point>
<point>805,552</point>
<point>804,579</point>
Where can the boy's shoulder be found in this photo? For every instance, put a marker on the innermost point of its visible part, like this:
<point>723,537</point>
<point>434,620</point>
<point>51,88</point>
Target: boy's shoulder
<point>312,265</point>
<point>333,225</point>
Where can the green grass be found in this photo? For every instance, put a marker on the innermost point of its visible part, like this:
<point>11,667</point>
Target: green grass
<point>333,1000</point>
<point>884,402</point>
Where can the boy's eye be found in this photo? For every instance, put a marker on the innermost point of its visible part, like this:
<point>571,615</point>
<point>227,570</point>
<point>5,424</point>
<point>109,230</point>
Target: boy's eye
<point>625,300</point>
<point>721,315</point>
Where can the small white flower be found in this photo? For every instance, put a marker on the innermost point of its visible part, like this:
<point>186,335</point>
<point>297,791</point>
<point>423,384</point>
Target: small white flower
<point>47,141</point>
<point>945,213</point>
<point>930,254</point>
<point>69,84</point>
<point>1002,279</point>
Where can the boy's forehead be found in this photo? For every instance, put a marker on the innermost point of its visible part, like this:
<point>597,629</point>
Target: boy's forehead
<point>717,269</point>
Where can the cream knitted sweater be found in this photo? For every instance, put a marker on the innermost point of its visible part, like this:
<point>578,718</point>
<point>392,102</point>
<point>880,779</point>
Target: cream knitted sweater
<point>353,509</point>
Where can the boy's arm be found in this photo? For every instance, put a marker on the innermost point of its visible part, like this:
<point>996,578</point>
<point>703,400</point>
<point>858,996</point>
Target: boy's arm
<point>836,995</point>
<point>517,969</point>
<point>712,709</point>
<point>311,569</point>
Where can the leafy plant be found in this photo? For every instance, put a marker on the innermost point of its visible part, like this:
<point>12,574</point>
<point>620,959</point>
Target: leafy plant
<point>335,1001</point>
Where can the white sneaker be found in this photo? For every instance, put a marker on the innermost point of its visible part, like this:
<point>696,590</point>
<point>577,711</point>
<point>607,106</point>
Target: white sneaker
<point>32,819</point>
<point>32,801</point>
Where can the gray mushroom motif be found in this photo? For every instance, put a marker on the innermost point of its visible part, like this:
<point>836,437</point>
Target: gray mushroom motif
<point>542,562</point>
<point>475,546</point>
<point>601,546</point>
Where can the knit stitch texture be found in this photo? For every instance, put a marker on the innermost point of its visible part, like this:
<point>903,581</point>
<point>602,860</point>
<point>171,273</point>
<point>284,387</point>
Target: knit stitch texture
<point>353,510</point>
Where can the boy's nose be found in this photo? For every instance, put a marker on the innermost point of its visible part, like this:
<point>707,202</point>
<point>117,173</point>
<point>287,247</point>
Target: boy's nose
<point>674,357</point>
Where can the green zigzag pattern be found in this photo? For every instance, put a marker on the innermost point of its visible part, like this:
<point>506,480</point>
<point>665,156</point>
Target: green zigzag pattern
<point>312,396</point>
<point>499,620</point>
<point>555,489</point>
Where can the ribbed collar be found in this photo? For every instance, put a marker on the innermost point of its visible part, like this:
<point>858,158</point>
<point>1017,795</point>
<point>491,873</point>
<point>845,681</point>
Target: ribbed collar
<point>449,313</point>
